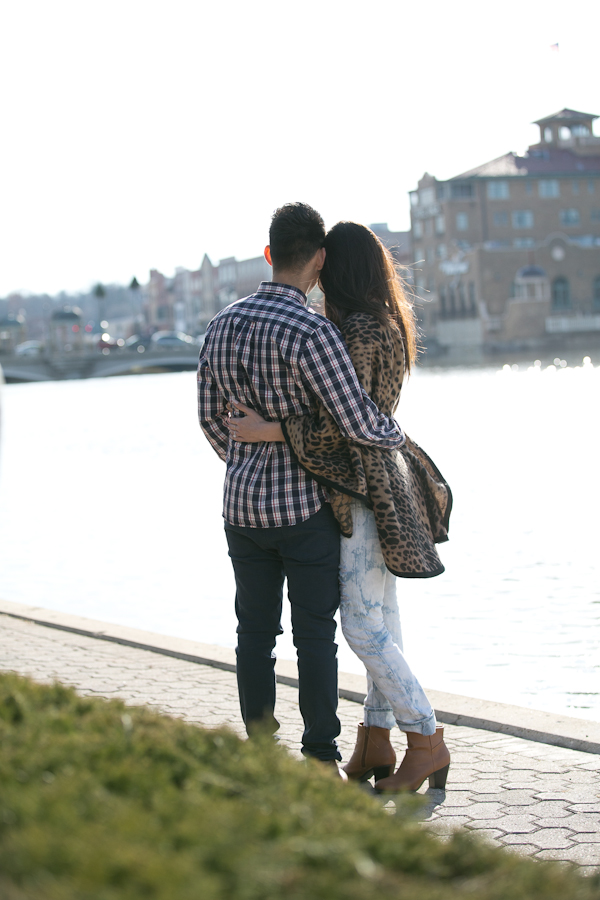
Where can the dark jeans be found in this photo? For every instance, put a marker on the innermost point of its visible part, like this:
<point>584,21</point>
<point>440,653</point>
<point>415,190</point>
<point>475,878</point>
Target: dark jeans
<point>308,554</point>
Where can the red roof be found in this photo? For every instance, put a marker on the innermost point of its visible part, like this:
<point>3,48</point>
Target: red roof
<point>547,160</point>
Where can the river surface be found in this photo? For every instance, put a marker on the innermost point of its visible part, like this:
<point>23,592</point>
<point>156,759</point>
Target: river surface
<point>110,507</point>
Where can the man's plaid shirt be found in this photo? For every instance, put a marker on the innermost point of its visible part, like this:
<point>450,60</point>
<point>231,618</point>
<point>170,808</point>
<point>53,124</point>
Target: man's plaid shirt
<point>273,354</point>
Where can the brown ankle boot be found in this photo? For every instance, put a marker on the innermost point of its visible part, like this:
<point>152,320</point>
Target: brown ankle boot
<point>373,754</point>
<point>426,757</point>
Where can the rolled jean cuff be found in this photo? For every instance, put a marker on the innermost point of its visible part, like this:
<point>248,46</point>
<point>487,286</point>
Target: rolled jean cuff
<point>381,718</point>
<point>425,726</point>
<point>384,718</point>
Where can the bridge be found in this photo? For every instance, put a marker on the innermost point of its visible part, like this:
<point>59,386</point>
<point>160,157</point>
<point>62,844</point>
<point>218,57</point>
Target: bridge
<point>97,364</point>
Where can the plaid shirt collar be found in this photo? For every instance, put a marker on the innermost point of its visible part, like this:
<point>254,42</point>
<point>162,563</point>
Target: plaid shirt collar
<point>278,291</point>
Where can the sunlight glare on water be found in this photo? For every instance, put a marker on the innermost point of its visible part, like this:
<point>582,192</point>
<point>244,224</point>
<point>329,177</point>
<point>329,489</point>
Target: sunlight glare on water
<point>110,507</point>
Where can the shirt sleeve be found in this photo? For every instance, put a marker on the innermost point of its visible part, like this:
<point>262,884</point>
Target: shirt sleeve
<point>212,410</point>
<point>328,372</point>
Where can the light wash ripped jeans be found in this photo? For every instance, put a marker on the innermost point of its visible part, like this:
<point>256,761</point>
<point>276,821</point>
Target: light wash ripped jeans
<point>371,625</point>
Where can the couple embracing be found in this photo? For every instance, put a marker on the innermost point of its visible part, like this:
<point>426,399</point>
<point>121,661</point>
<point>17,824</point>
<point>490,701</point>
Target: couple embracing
<point>323,488</point>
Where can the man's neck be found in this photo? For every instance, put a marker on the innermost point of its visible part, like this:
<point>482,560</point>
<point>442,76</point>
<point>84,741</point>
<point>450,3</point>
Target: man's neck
<point>300,281</point>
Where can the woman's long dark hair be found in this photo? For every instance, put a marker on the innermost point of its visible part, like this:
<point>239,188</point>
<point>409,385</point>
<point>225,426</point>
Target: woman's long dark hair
<point>359,275</point>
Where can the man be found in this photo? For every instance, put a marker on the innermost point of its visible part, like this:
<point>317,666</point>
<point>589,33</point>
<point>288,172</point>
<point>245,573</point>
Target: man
<point>271,353</point>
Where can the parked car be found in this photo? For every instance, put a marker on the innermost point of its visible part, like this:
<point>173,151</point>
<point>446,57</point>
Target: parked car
<point>106,342</point>
<point>135,342</point>
<point>29,348</point>
<point>171,339</point>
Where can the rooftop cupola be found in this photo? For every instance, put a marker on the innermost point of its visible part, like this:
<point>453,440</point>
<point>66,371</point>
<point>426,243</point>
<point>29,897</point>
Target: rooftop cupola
<point>566,128</point>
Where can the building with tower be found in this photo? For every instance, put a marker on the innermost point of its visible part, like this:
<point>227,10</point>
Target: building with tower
<point>507,255</point>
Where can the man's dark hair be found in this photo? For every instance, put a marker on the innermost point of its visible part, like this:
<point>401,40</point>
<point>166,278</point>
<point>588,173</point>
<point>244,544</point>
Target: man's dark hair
<point>297,231</point>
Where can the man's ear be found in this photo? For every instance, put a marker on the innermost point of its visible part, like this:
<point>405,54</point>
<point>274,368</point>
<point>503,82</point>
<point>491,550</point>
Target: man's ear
<point>320,258</point>
<point>268,255</point>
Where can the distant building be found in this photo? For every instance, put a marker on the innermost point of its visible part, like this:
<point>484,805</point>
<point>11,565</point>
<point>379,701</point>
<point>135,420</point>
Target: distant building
<point>239,279</point>
<point>12,331</point>
<point>34,309</point>
<point>66,332</point>
<point>508,254</point>
<point>208,293</point>
<point>159,302</point>
<point>189,300</point>
<point>397,242</point>
<point>250,273</point>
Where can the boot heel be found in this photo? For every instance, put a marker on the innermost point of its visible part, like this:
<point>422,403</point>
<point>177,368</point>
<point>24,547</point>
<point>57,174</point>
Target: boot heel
<point>438,779</point>
<point>382,772</point>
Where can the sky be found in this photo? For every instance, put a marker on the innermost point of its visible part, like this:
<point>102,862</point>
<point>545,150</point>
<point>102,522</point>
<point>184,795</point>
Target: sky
<point>141,134</point>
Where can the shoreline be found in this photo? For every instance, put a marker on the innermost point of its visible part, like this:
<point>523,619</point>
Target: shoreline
<point>452,709</point>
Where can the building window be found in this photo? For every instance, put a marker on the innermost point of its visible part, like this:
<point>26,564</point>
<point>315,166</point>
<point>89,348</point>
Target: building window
<point>414,198</point>
<point>472,305</point>
<point>441,251</point>
<point>427,196</point>
<point>443,310</point>
<point>500,218</point>
<point>596,215</point>
<point>569,217</point>
<point>461,190</point>
<point>440,224</point>
<point>522,218</point>
<point>418,254</point>
<point>418,229</point>
<point>549,187</point>
<point>590,185</point>
<point>529,187</point>
<point>462,221</point>
<point>561,294</point>
<point>440,193</point>
<point>452,310</point>
<point>498,190</point>
<point>523,243</point>
<point>575,187</point>
<point>548,135</point>
<point>429,228</point>
<point>596,294</point>
<point>430,255</point>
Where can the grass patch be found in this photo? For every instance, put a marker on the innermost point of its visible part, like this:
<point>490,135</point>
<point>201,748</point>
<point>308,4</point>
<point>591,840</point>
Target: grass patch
<point>99,801</point>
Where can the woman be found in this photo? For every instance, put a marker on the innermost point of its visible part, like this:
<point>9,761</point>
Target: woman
<point>392,506</point>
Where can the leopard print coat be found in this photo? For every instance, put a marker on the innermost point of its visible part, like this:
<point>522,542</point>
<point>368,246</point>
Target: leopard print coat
<point>408,495</point>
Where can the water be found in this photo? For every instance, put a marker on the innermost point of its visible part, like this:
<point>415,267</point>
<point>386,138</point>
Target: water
<point>110,507</point>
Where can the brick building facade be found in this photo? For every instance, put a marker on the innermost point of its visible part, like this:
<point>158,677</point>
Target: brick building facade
<point>508,254</point>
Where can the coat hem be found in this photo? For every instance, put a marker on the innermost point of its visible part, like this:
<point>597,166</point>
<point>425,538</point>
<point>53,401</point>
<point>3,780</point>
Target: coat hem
<point>416,574</point>
<point>446,517</point>
<point>326,482</point>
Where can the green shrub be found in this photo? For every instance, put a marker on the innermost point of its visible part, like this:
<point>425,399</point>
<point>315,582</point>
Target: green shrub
<point>99,801</point>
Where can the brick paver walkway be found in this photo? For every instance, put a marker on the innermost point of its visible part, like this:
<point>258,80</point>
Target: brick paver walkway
<point>541,800</point>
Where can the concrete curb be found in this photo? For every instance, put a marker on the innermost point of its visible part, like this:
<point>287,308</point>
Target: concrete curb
<point>452,709</point>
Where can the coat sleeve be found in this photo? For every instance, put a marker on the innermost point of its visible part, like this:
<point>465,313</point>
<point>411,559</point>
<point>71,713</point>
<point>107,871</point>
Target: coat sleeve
<point>321,448</point>
<point>330,376</point>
